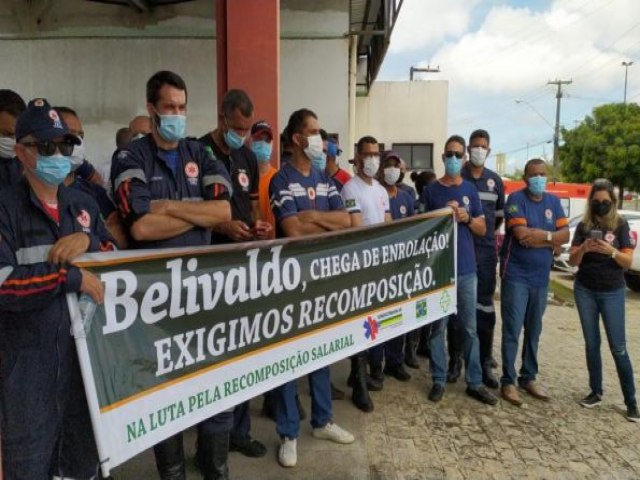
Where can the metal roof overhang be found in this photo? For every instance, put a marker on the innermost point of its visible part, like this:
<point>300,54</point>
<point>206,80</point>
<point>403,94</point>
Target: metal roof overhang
<point>141,5</point>
<point>373,22</point>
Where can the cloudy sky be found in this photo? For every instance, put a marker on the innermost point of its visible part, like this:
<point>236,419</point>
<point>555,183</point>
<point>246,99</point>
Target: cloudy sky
<point>496,52</point>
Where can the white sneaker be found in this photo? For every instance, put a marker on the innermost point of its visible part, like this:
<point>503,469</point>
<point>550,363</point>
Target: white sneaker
<point>288,452</point>
<point>333,432</point>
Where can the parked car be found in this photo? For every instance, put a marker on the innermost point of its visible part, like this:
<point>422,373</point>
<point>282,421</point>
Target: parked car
<point>632,277</point>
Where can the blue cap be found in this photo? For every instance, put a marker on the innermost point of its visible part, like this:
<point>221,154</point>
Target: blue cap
<point>43,122</point>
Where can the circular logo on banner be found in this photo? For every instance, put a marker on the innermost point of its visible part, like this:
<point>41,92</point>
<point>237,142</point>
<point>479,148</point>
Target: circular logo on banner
<point>548,213</point>
<point>491,183</point>
<point>191,169</point>
<point>243,179</point>
<point>465,200</point>
<point>609,237</point>
<point>84,219</point>
<point>311,193</point>
<point>403,210</point>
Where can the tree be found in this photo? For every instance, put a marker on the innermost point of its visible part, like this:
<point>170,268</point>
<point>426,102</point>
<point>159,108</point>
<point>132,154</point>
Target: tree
<point>606,144</point>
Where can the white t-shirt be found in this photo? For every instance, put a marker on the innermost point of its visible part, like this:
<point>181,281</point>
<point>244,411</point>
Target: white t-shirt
<point>372,201</point>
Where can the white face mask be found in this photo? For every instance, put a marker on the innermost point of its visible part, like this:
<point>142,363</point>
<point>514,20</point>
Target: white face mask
<point>314,149</point>
<point>370,166</point>
<point>77,156</point>
<point>391,175</point>
<point>6,147</point>
<point>478,156</point>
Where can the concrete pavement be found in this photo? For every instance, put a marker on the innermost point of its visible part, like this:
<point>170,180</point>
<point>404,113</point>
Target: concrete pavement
<point>407,437</point>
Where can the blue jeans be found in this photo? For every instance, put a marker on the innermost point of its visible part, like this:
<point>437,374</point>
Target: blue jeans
<point>591,304</point>
<point>521,306</point>
<point>467,295</point>
<point>287,415</point>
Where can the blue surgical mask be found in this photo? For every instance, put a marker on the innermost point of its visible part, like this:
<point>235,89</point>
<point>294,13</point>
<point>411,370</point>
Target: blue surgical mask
<point>320,162</point>
<point>233,140</point>
<point>452,166</point>
<point>172,127</point>
<point>52,169</point>
<point>537,185</point>
<point>262,150</point>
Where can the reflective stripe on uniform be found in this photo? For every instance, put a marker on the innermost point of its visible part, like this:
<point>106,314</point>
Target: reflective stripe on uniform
<point>488,196</point>
<point>211,179</point>
<point>485,308</point>
<point>500,213</point>
<point>31,255</point>
<point>192,199</point>
<point>128,175</point>
<point>4,273</point>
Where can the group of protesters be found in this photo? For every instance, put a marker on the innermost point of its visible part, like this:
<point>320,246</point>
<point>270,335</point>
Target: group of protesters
<point>167,190</point>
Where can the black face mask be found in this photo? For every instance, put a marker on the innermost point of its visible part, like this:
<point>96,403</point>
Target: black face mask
<point>600,209</point>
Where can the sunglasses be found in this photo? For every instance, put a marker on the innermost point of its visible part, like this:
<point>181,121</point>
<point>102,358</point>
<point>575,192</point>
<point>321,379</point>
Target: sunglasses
<point>49,147</point>
<point>456,154</point>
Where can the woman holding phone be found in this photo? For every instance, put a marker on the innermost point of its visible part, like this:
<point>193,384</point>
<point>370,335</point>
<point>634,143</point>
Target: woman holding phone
<point>601,249</point>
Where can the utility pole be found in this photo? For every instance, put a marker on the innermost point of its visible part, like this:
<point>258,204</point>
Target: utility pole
<point>626,66</point>
<point>556,132</point>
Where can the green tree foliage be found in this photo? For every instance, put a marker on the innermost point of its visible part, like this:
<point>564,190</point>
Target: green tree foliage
<point>606,144</point>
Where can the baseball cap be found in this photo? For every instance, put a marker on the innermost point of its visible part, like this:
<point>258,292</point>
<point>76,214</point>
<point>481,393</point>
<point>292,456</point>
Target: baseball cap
<point>390,154</point>
<point>261,127</point>
<point>43,122</point>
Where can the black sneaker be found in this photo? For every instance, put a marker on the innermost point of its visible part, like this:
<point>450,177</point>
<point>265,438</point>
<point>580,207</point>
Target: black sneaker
<point>247,447</point>
<point>398,372</point>
<point>482,395</point>
<point>591,400</point>
<point>632,414</point>
<point>436,393</point>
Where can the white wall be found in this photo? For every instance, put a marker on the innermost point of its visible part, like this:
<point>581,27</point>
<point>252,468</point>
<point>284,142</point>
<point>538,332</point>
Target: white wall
<point>406,112</point>
<point>98,60</point>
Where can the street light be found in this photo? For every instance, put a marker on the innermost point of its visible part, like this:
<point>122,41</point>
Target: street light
<point>535,111</point>
<point>626,66</point>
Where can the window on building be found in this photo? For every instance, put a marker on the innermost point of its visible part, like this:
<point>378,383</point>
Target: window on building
<point>417,156</point>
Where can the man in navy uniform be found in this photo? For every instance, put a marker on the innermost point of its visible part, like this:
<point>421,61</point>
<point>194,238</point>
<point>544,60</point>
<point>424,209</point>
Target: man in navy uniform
<point>171,193</point>
<point>44,419</point>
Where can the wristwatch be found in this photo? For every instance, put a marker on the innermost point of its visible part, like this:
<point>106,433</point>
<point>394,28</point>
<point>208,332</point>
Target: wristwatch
<point>549,237</point>
<point>613,254</point>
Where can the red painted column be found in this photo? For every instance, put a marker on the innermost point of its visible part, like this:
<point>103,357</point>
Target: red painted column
<point>248,56</point>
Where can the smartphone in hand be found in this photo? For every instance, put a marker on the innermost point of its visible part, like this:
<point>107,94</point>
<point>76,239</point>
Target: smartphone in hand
<point>595,235</point>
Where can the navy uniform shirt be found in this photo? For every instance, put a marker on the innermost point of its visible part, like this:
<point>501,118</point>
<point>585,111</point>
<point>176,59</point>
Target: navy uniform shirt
<point>402,205</point>
<point>10,171</point>
<point>141,174</point>
<point>33,304</point>
<point>242,167</point>
<point>436,195</point>
<point>491,191</point>
<point>529,266</point>
<point>98,193</point>
<point>291,192</point>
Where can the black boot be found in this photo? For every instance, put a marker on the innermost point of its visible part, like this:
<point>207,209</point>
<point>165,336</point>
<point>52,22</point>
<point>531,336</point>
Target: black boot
<point>485,339</point>
<point>375,380</point>
<point>454,345</point>
<point>212,454</point>
<point>170,458</point>
<point>360,395</point>
<point>410,346</point>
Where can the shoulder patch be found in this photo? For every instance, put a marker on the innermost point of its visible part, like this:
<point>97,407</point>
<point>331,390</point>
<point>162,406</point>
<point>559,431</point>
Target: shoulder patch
<point>350,203</point>
<point>513,208</point>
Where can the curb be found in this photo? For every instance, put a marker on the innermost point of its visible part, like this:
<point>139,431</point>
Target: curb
<point>561,292</point>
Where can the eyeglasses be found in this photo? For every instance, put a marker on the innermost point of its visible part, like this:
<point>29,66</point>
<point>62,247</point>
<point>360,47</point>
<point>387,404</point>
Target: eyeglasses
<point>456,154</point>
<point>49,147</point>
